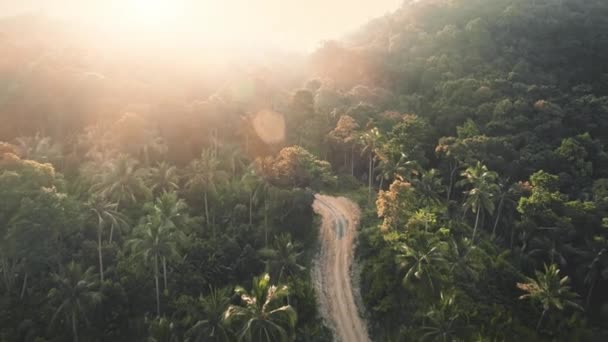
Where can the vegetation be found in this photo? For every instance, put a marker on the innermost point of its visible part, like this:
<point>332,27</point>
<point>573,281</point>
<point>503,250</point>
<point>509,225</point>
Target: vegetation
<point>473,134</point>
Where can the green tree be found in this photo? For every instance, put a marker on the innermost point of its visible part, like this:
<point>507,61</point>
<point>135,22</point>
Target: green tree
<point>262,316</point>
<point>75,292</point>
<point>204,174</point>
<point>421,261</point>
<point>104,213</point>
<point>479,197</point>
<point>121,182</point>
<point>550,291</point>
<point>162,178</point>
<point>282,258</point>
<point>211,326</point>
<point>370,140</point>
<point>155,240</point>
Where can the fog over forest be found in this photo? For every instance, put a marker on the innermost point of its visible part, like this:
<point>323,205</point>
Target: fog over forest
<point>261,171</point>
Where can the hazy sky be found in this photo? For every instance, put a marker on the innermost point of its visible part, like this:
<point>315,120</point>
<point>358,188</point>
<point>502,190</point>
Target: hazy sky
<point>284,23</point>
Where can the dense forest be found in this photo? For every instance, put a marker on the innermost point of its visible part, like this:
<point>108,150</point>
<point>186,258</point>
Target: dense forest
<point>171,200</point>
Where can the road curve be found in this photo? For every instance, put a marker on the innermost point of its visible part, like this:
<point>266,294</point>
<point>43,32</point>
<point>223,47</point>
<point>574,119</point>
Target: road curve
<point>332,268</point>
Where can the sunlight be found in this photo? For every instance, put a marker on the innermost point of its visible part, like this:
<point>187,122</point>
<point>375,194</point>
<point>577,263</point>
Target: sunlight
<point>153,16</point>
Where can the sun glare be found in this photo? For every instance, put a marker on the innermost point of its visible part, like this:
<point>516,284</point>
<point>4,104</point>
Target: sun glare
<point>155,16</point>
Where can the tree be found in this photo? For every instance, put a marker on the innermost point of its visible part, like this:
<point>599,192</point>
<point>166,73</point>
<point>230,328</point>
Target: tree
<point>479,197</point>
<point>550,291</point>
<point>282,258</point>
<point>204,174</point>
<point>442,321</point>
<point>211,326</point>
<point>105,213</point>
<point>344,135</point>
<point>154,240</point>
<point>370,141</point>
<point>75,292</point>
<point>174,214</point>
<point>262,316</point>
<point>39,148</point>
<point>121,182</point>
<point>420,261</point>
<point>253,185</point>
<point>162,178</point>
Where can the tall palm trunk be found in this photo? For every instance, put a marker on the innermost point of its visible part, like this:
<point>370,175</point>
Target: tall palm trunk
<point>476,222</point>
<point>499,211</point>
<point>540,320</point>
<point>24,286</point>
<point>165,274</point>
<point>265,224</point>
<point>74,327</point>
<point>370,177</point>
<point>589,294</point>
<point>352,161</point>
<point>251,209</point>
<point>111,234</point>
<point>157,287</point>
<point>206,208</point>
<point>99,252</point>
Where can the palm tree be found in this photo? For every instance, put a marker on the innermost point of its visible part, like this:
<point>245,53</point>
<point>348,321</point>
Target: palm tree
<point>262,316</point>
<point>597,268</point>
<point>370,141</point>
<point>235,159</point>
<point>75,292</point>
<point>173,212</point>
<point>550,291</point>
<point>441,322</point>
<point>282,259</point>
<point>428,185</point>
<point>213,326</point>
<point>104,213</point>
<point>204,174</point>
<point>121,182</point>
<point>252,184</point>
<point>480,195</point>
<point>420,262</point>
<point>387,168</point>
<point>39,148</point>
<point>154,241</point>
<point>162,178</point>
<point>506,195</point>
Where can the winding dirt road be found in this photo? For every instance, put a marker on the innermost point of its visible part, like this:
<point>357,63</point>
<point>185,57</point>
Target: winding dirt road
<point>332,268</point>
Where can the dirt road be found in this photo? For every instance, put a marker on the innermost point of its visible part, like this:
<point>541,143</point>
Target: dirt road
<point>332,268</point>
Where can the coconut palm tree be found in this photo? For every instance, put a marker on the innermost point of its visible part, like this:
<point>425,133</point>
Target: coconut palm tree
<point>253,184</point>
<point>39,148</point>
<point>174,213</point>
<point>154,240</point>
<point>212,327</point>
<point>75,292</point>
<point>388,168</point>
<point>162,178</point>
<point>204,174</point>
<point>428,185</point>
<point>262,315</point>
<point>442,321</point>
<point>121,181</point>
<point>483,187</point>
<point>421,261</point>
<point>282,258</point>
<point>370,141</point>
<point>550,291</point>
<point>104,213</point>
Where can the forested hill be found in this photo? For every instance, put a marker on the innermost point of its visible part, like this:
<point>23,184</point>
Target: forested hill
<point>150,197</point>
<point>488,125</point>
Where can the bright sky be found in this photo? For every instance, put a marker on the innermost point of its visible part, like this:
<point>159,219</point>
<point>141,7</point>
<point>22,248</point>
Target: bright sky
<point>280,23</point>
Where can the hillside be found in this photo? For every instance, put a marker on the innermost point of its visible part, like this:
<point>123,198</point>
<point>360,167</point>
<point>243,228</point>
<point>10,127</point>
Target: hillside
<point>174,190</point>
